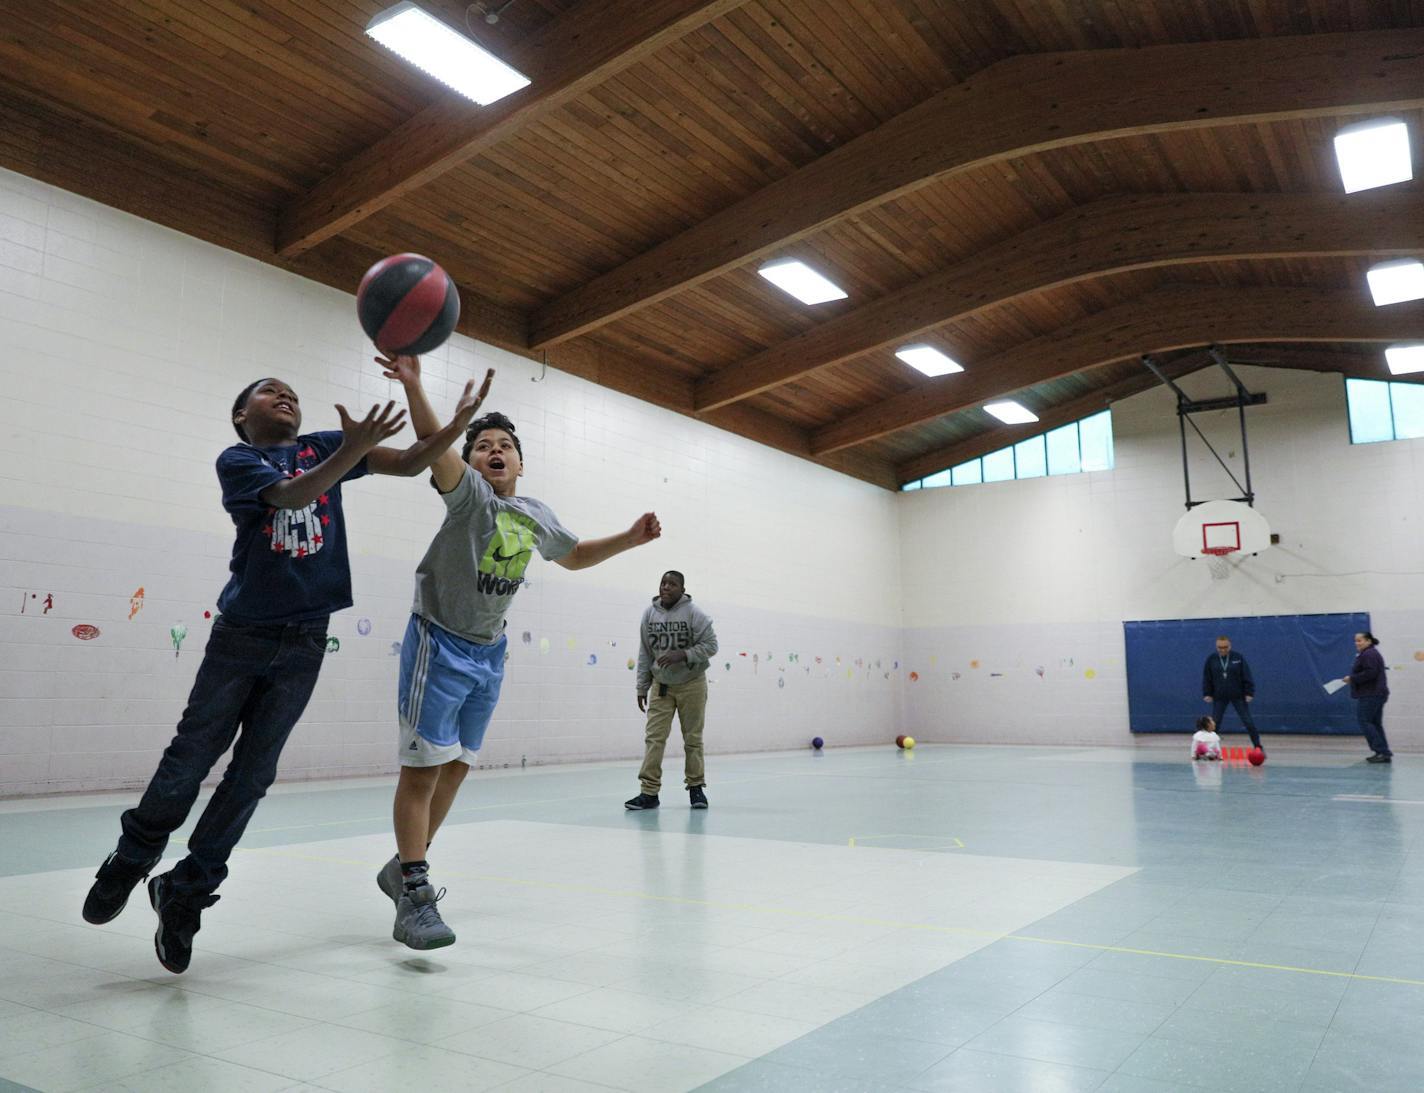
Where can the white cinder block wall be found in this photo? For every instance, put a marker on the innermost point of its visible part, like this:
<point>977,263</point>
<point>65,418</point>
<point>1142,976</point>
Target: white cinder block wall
<point>125,345</point>
<point>1015,592</point>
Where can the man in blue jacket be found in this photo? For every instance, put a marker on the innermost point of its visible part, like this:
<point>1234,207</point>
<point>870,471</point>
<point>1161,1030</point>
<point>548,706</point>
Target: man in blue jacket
<point>1226,680</point>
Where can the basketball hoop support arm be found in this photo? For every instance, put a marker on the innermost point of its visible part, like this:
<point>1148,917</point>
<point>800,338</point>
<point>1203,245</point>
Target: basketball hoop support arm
<point>1187,406</point>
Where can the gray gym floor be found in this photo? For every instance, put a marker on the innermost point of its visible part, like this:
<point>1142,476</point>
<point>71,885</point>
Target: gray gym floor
<point>956,918</point>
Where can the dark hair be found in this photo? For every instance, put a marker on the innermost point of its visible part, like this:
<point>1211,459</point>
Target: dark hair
<point>1369,637</point>
<point>1203,723</point>
<point>494,420</point>
<point>1222,637</point>
<point>680,578</point>
<point>240,404</point>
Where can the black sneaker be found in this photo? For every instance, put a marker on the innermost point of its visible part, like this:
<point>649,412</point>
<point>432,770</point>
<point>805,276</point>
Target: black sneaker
<point>642,801</point>
<point>699,799</point>
<point>113,882</point>
<point>177,922</point>
<point>1378,758</point>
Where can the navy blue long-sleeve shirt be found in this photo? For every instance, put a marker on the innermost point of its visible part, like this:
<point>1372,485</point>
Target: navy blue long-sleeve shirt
<point>1367,674</point>
<point>1232,681</point>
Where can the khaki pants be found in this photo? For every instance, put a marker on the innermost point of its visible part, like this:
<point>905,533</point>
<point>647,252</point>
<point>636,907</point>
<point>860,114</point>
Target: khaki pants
<point>689,702</point>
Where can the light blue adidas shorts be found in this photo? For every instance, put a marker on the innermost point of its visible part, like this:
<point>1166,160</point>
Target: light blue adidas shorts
<point>448,691</point>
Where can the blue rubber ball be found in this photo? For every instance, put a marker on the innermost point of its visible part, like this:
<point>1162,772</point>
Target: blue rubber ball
<point>816,743</point>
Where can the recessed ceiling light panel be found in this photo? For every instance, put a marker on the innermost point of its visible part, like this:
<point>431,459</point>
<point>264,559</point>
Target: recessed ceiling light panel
<point>800,280</point>
<point>1011,412</point>
<point>1397,281</point>
<point>1405,359</point>
<point>929,360</point>
<point>445,53</point>
<point>1373,153</point>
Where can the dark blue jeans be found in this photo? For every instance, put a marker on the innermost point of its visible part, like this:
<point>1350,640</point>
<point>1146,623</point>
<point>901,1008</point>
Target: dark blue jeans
<point>257,678</point>
<point>1243,710</point>
<point>1370,711</point>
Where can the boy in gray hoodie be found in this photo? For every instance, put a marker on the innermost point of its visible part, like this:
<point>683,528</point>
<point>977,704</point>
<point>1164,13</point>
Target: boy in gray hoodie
<point>675,644</point>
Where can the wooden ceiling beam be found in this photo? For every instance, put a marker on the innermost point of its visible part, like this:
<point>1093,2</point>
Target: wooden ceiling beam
<point>579,49</point>
<point>1018,106</point>
<point>65,150</point>
<point>1114,235</point>
<point>1168,318</point>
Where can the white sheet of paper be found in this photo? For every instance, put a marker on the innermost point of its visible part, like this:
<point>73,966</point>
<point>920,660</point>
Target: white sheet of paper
<point>1334,685</point>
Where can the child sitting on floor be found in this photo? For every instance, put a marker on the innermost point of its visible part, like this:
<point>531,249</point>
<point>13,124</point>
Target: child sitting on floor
<point>1206,744</point>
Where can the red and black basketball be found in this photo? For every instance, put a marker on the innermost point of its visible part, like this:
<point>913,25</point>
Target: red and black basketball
<point>407,304</point>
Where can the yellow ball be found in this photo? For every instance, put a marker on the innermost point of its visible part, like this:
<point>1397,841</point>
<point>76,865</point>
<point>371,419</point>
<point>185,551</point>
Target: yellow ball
<point>909,742</point>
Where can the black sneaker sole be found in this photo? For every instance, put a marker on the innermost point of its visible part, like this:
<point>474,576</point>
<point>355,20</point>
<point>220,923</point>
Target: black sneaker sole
<point>699,804</point>
<point>638,808</point>
<point>96,921</point>
<point>158,933</point>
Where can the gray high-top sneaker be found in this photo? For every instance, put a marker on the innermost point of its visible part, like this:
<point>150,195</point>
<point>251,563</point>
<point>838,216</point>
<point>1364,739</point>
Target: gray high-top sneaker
<point>418,922</point>
<point>389,879</point>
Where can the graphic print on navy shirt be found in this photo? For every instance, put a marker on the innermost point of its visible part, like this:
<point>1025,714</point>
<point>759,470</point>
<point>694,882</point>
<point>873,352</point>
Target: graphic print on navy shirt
<point>287,564</point>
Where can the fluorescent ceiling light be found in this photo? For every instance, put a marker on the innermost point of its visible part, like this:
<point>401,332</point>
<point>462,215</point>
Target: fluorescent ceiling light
<point>1011,412</point>
<point>445,53</point>
<point>1404,359</point>
<point>801,281</point>
<point>929,360</point>
<point>1397,281</point>
<point>1373,153</point>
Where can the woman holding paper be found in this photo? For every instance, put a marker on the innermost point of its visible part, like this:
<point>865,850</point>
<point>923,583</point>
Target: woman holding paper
<point>1369,688</point>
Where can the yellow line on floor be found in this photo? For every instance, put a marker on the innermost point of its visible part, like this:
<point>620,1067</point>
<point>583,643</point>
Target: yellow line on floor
<point>857,920</point>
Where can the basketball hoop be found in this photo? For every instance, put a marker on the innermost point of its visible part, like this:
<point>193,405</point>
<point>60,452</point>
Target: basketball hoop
<point>1219,559</point>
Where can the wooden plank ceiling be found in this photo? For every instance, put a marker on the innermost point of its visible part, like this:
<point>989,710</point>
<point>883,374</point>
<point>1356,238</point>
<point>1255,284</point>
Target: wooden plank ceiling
<point>1045,189</point>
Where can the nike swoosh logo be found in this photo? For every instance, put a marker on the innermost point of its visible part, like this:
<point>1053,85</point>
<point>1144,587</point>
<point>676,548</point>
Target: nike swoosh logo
<point>499,557</point>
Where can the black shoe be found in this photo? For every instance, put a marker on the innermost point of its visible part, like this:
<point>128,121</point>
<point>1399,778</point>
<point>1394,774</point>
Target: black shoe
<point>113,882</point>
<point>642,801</point>
<point>1378,758</point>
<point>178,917</point>
<point>699,799</point>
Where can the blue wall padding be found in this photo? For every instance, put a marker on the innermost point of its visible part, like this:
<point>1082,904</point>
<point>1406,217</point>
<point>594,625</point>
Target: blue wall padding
<point>1290,657</point>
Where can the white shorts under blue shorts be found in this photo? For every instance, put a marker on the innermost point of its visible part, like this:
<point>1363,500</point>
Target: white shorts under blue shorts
<point>448,691</point>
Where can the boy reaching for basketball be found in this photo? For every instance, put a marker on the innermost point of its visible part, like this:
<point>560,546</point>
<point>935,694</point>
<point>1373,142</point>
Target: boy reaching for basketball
<point>452,658</point>
<point>290,571</point>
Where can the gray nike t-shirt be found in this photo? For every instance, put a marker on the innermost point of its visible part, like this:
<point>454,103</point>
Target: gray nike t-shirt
<point>476,561</point>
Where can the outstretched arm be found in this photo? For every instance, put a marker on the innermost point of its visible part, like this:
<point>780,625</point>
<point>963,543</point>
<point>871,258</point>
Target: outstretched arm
<point>446,466</point>
<point>592,551</point>
<point>358,438</point>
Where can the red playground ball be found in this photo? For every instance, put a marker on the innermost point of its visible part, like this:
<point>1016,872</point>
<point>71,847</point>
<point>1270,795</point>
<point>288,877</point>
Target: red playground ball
<point>1255,757</point>
<point>1201,749</point>
<point>900,741</point>
<point>407,305</point>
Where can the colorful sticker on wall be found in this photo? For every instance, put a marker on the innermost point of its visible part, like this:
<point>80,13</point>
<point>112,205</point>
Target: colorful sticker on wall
<point>954,675</point>
<point>136,603</point>
<point>1090,674</point>
<point>85,632</point>
<point>780,683</point>
<point>543,646</point>
<point>176,633</point>
<point>333,644</point>
<point>395,648</point>
<point>1038,671</point>
<point>974,664</point>
<point>1419,654</point>
<point>914,677</point>
<point>630,664</point>
<point>727,666</point>
<point>573,643</point>
<point>592,659</point>
<point>363,627</point>
<point>526,637</point>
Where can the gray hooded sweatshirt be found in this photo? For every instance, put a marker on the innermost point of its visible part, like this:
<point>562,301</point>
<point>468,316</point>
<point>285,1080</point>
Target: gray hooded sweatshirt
<point>682,626</point>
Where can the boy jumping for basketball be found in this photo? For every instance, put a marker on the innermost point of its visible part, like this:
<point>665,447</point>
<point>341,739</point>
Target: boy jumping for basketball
<point>290,571</point>
<point>452,658</point>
